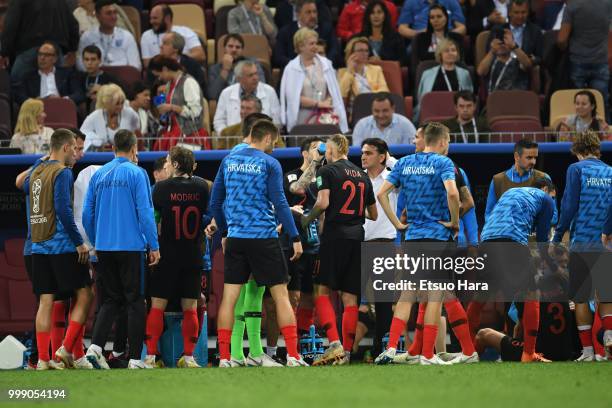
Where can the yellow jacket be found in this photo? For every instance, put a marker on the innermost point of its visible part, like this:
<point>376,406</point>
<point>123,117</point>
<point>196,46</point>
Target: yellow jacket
<point>349,86</point>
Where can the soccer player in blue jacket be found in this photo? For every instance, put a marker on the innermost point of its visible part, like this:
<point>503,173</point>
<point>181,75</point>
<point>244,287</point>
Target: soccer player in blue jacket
<point>247,197</point>
<point>505,241</point>
<point>585,206</point>
<point>119,220</point>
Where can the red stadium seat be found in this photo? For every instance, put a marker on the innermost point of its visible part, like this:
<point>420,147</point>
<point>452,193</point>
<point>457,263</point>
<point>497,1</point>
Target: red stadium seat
<point>505,105</point>
<point>437,106</point>
<point>125,73</point>
<point>61,113</point>
<point>518,129</point>
<point>393,75</point>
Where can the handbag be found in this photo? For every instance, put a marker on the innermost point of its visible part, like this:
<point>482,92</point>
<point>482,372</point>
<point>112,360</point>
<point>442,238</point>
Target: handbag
<point>323,117</point>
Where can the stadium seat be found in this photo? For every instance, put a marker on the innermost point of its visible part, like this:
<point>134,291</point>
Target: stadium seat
<point>393,75</point>
<point>125,73</point>
<point>134,17</point>
<point>513,105</point>
<point>562,104</point>
<point>190,15</point>
<point>198,2</point>
<point>255,46</point>
<point>61,113</point>
<point>221,21</point>
<point>17,302</point>
<point>481,47</point>
<point>437,106</point>
<point>219,4</point>
<point>517,129</point>
<point>362,106</point>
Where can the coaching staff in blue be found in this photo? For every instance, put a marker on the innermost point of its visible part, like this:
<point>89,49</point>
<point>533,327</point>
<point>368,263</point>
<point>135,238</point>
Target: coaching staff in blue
<point>118,218</point>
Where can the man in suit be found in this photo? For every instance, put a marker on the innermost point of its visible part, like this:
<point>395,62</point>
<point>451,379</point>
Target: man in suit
<point>486,14</point>
<point>307,17</point>
<point>49,81</point>
<point>286,13</point>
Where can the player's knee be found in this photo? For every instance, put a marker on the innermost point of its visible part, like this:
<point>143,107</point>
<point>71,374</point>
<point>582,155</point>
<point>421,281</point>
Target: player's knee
<point>349,299</point>
<point>483,335</point>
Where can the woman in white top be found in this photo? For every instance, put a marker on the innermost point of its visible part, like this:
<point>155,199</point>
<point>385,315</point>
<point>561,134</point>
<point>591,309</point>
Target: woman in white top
<point>111,114</point>
<point>309,90</point>
<point>30,134</point>
<point>585,118</point>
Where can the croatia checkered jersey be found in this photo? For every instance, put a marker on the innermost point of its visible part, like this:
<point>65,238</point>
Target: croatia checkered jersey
<point>585,204</point>
<point>516,214</point>
<point>421,178</point>
<point>248,196</point>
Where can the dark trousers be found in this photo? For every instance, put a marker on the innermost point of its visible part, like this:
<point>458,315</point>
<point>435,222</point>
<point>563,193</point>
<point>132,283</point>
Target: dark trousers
<point>123,277</point>
<point>120,339</point>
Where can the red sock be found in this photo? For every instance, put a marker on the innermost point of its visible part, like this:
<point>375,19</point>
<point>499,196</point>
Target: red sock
<point>531,322</point>
<point>473,316</point>
<point>155,327</point>
<point>290,335</point>
<point>397,327</point>
<point>224,337</point>
<point>58,325</point>
<point>417,344</point>
<point>597,325</point>
<point>585,332</point>
<point>74,329</point>
<point>190,331</point>
<point>77,350</point>
<point>430,332</point>
<point>327,317</point>
<point>305,319</point>
<point>457,320</point>
<point>349,326</point>
<point>43,339</point>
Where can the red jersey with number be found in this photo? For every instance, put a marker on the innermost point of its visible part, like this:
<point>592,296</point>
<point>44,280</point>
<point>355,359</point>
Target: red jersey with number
<point>180,203</point>
<point>350,193</point>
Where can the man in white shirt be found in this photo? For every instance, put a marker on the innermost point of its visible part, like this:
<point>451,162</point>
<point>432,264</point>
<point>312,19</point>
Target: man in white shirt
<point>160,18</point>
<point>384,123</point>
<point>118,45</point>
<point>376,161</point>
<point>228,107</point>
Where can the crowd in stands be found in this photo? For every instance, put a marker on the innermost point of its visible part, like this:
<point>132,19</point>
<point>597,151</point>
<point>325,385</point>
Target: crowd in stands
<point>146,67</point>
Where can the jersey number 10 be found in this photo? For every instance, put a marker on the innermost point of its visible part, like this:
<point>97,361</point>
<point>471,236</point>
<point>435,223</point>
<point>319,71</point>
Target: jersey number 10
<point>350,185</point>
<point>181,222</point>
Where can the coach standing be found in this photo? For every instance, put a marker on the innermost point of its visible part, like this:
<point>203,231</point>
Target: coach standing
<point>118,218</point>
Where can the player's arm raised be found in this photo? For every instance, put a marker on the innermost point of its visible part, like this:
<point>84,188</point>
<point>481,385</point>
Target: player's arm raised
<point>383,199</point>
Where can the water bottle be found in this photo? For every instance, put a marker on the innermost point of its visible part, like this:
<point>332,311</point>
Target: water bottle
<point>313,233</point>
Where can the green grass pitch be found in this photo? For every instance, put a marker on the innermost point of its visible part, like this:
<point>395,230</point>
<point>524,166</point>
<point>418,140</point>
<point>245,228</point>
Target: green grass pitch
<point>512,385</point>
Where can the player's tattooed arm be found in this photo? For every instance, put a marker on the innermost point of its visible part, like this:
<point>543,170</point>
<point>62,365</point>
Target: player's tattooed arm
<point>467,201</point>
<point>299,187</point>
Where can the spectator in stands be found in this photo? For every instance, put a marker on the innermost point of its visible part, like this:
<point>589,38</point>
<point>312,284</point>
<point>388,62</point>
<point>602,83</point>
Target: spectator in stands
<point>228,107</point>
<point>49,81</point>
<point>486,14</point>
<point>322,48</point>
<point>85,14</point>
<point>415,15</point>
<point>309,90</point>
<point>527,36</point>
<point>94,77</point>
<point>385,43</point>
<point>140,102</point>
<point>359,76</point>
<point>503,64</point>
<point>351,17</point>
<point>384,123</point>
<point>30,23</point>
<point>232,135</point>
<point>286,12</point>
<point>447,76</point>
<point>31,134</point>
<point>172,47</point>
<point>221,75</point>
<point>111,114</point>
<point>584,29</point>
<point>161,18</point>
<point>284,51</point>
<point>117,44</point>
<point>466,127</point>
<point>585,118</point>
<point>251,17</point>
<point>183,106</point>
<point>426,43</point>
